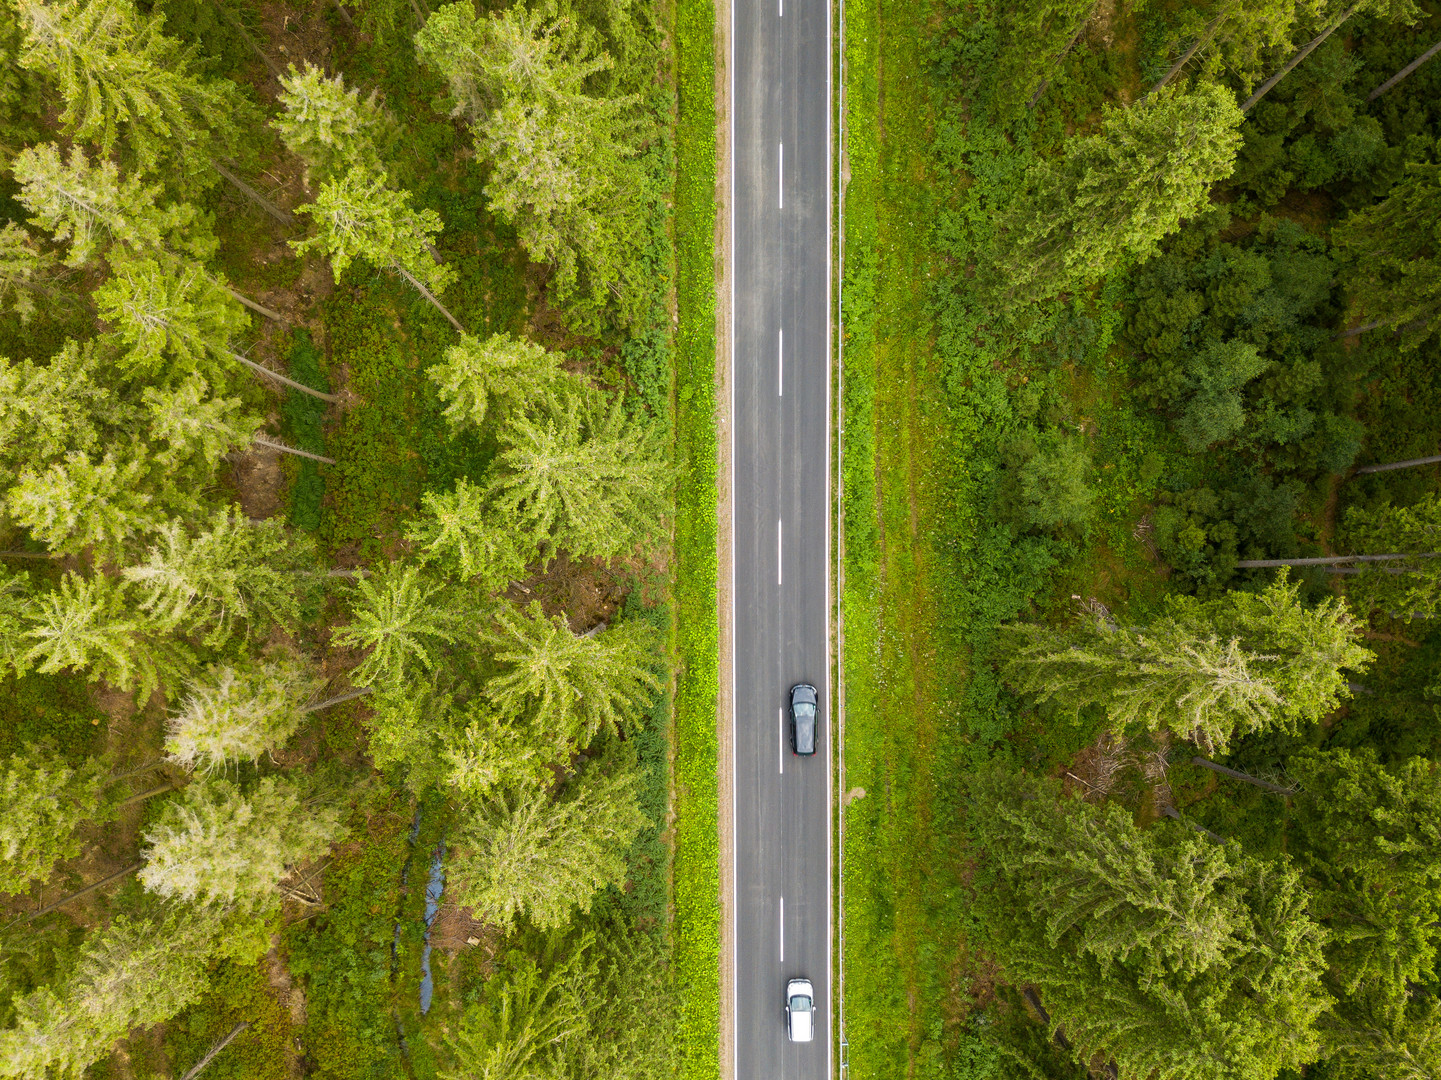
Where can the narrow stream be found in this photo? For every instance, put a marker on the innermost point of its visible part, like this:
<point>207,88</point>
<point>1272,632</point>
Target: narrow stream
<point>433,889</point>
<point>395,938</point>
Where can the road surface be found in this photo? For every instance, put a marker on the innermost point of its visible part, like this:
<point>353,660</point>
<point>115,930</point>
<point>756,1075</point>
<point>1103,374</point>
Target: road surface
<point>780,139</point>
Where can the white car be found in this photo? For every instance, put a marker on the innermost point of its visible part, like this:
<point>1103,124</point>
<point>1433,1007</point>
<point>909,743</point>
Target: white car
<point>800,1009</point>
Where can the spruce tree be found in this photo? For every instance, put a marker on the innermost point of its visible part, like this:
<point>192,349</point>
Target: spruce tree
<point>1395,251</point>
<point>54,408</point>
<point>512,372</point>
<point>1114,196</point>
<point>1174,956</point>
<point>527,853</point>
<point>42,799</point>
<point>520,1026</point>
<point>120,76</point>
<point>1406,588</point>
<point>586,479</point>
<point>234,577</point>
<point>459,529</point>
<point>192,426</point>
<point>358,216</point>
<point>1205,671</point>
<point>232,715</point>
<point>573,685</point>
<point>217,844</point>
<point>403,619</point>
<point>27,273</point>
<point>78,502</point>
<point>330,128</point>
<point>14,609</point>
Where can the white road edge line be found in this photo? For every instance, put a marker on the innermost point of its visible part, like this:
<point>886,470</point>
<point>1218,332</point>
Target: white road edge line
<point>783,929</point>
<point>780,363</point>
<point>779,553</point>
<point>781,739</point>
<point>730,379</point>
<point>781,179</point>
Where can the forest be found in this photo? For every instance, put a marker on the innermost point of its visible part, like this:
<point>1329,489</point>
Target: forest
<point>1143,545</point>
<point>338,488</point>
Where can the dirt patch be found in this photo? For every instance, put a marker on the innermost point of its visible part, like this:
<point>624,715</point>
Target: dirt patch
<point>292,1003</point>
<point>584,591</point>
<point>259,481</point>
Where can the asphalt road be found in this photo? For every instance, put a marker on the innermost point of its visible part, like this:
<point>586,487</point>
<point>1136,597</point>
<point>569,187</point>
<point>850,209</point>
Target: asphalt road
<point>780,138</point>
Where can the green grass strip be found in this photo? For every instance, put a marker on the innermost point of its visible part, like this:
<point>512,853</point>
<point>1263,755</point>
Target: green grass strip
<point>697,854</point>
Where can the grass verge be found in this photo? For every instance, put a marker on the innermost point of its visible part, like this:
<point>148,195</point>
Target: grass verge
<point>697,853</point>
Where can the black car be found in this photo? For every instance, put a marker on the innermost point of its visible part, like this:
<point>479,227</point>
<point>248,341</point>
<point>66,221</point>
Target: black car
<point>803,718</point>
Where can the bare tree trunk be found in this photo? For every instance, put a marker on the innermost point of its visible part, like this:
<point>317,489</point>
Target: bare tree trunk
<point>149,766</point>
<point>1408,464</point>
<point>1174,814</point>
<point>427,294</point>
<point>161,790</point>
<point>291,450</point>
<point>1236,774</point>
<point>234,20</point>
<point>1036,97</point>
<point>285,217</point>
<point>27,555</point>
<point>1412,66</point>
<point>1355,330</point>
<point>261,309</point>
<point>253,366</point>
<point>1175,68</point>
<point>83,892</point>
<point>210,1054</point>
<point>1332,560</point>
<point>349,695</point>
<point>344,15</point>
<point>1301,54</point>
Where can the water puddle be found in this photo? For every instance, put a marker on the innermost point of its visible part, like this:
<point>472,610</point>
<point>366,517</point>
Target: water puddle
<point>433,889</point>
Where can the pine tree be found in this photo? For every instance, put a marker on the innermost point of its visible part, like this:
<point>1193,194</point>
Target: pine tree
<point>54,408</point>
<point>120,75</point>
<point>42,799</point>
<point>512,371</point>
<point>219,845</point>
<point>85,623</point>
<point>403,619</point>
<point>330,128</point>
<point>561,160</point>
<point>91,208</point>
<point>358,216</point>
<point>191,425</point>
<point>1172,955</point>
<point>518,1027</point>
<point>587,479</point>
<point>1395,248</point>
<point>460,531</point>
<point>1114,196</point>
<point>1032,36</point>
<point>78,503</point>
<point>575,686</point>
<point>1205,671</point>
<point>496,750</point>
<point>237,714</point>
<point>14,609</point>
<point>526,853</point>
<point>234,577</point>
<point>27,272</point>
<point>1239,37</point>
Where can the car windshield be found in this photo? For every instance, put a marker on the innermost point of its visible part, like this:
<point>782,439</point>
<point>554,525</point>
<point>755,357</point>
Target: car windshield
<point>805,711</point>
<point>800,1003</point>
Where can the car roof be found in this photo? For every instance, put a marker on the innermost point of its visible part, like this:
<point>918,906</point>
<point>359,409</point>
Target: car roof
<point>803,692</point>
<point>799,986</point>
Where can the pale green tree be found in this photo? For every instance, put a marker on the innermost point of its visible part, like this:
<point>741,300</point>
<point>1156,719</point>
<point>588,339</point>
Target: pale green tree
<point>329,127</point>
<point>132,973</point>
<point>495,750</point>
<point>561,159</point>
<point>27,273</point>
<point>190,424</point>
<point>1112,197</point>
<point>528,853</point>
<point>587,478</point>
<point>358,216</point>
<point>1170,954</point>
<point>236,714</point>
<point>219,844</point>
<point>459,530</point>
<point>14,612</point>
<point>53,408</point>
<point>121,77</point>
<point>517,1030</point>
<point>42,799</point>
<point>87,624</point>
<point>169,313</point>
<point>232,577</point>
<point>79,502</point>
<point>574,685</point>
<point>1395,252</point>
<point>1205,671</point>
<point>404,619</point>
<point>511,372</point>
<point>90,208</point>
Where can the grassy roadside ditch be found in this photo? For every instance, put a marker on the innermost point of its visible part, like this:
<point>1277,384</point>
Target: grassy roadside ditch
<point>697,853</point>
